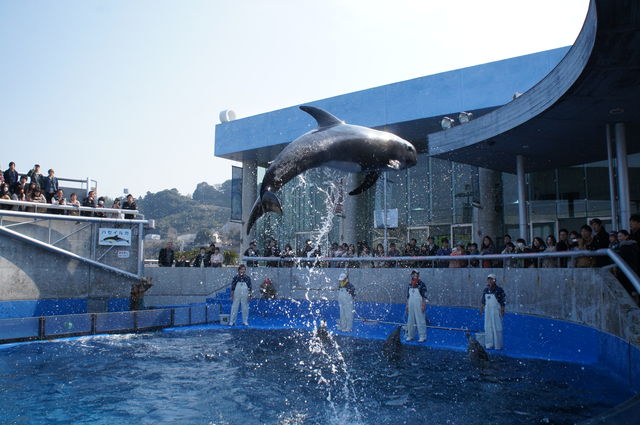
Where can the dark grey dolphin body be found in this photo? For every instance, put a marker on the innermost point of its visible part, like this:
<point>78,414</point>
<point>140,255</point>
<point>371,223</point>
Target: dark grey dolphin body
<point>392,347</point>
<point>334,144</point>
<point>477,354</point>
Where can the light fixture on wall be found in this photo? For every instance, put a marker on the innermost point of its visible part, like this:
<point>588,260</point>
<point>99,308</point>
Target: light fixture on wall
<point>447,123</point>
<point>464,117</point>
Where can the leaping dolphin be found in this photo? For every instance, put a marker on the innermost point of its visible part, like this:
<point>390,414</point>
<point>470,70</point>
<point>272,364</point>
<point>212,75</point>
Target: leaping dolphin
<point>337,145</point>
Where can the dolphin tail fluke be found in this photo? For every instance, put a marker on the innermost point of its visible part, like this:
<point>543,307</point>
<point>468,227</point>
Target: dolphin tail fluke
<point>268,202</point>
<point>369,180</point>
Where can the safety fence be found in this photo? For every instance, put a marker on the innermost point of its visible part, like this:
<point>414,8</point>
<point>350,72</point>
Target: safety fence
<point>70,325</point>
<point>40,207</point>
<point>564,259</point>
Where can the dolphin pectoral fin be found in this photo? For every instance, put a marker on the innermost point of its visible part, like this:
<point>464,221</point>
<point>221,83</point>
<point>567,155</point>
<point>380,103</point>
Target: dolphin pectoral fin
<point>268,202</point>
<point>369,180</point>
<point>271,203</point>
<point>323,118</point>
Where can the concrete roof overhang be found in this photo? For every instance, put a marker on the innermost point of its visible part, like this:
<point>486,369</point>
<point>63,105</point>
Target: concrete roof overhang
<point>411,109</point>
<point>561,121</point>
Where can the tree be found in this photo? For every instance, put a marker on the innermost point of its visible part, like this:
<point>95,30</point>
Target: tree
<point>203,237</point>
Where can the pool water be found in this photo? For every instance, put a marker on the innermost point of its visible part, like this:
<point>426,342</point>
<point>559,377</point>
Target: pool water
<point>248,376</point>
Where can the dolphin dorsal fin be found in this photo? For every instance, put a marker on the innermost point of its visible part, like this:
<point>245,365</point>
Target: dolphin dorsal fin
<point>323,118</point>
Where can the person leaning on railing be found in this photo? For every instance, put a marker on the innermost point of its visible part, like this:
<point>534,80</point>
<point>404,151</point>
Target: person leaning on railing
<point>5,194</point>
<point>58,199</point>
<point>73,202</point>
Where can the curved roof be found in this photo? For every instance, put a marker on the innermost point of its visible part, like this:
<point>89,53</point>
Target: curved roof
<point>561,120</point>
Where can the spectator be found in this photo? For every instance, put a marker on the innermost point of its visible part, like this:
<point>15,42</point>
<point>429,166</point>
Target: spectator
<point>11,176</point>
<point>393,252</point>
<point>365,253</point>
<point>629,250</point>
<point>202,259</point>
<point>351,253</point>
<point>574,240</point>
<point>444,251</point>
<point>586,243</point>
<point>537,245</point>
<point>472,249</point>
<point>600,235</point>
<point>50,185</point>
<point>614,243</point>
<point>100,206</point>
<point>521,248</point>
<point>252,251</point>
<point>288,252</point>
<point>36,176</point>
<point>272,251</point>
<point>267,290</point>
<point>165,257</point>
<point>506,239</point>
<point>563,245</point>
<point>58,199</point>
<point>90,202</point>
<point>432,248</point>
<point>22,182</point>
<point>73,201</point>
<point>28,191</point>
<point>424,252</point>
<point>487,248</point>
<point>216,258</point>
<point>39,198</point>
<point>551,247</point>
<point>634,225</point>
<point>116,206</point>
<point>458,250</point>
<point>5,194</point>
<point>381,254</point>
<point>510,248</point>
<point>130,204</point>
<point>182,261</point>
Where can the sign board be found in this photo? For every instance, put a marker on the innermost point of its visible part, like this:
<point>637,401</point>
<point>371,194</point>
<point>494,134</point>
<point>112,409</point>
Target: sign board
<point>114,237</point>
<point>123,254</point>
<point>391,219</point>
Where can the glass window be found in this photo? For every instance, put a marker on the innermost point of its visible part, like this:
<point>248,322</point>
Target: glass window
<point>441,183</point>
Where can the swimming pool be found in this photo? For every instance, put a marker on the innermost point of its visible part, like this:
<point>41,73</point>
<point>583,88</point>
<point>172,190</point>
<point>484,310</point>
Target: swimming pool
<point>269,374</point>
<point>224,376</point>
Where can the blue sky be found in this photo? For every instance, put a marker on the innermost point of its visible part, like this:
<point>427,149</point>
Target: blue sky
<point>128,92</point>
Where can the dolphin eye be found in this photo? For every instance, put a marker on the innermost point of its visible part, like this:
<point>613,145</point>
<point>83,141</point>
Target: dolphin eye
<point>409,148</point>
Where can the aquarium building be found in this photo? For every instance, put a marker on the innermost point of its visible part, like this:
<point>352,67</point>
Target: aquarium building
<point>537,143</point>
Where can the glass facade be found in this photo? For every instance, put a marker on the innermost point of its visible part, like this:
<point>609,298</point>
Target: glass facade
<point>436,198</point>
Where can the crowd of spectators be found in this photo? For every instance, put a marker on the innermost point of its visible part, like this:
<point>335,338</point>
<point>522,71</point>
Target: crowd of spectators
<point>206,257</point>
<point>35,187</point>
<point>590,237</point>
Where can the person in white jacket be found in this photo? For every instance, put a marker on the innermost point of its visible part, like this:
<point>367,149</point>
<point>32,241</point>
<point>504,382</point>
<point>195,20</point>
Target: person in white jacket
<point>346,294</point>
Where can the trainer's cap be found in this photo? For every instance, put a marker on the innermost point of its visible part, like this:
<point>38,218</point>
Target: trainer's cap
<point>415,272</point>
<point>342,276</point>
<point>491,276</point>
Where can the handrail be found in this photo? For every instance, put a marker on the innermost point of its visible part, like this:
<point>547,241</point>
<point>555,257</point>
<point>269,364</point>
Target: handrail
<point>628,272</point>
<point>47,206</point>
<point>45,216</point>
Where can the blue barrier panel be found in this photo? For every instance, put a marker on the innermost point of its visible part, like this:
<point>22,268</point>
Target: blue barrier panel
<point>118,304</point>
<point>198,314</point>
<point>44,307</point>
<point>181,316</point>
<point>213,312</point>
<point>153,318</point>
<point>26,327</point>
<point>67,324</point>
<point>114,321</point>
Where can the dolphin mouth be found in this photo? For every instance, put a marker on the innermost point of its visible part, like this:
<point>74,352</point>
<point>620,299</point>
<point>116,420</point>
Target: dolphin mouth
<point>394,164</point>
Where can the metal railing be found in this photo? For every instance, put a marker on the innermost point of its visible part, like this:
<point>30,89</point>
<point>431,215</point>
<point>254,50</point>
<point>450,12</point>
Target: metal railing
<point>44,207</point>
<point>508,260</point>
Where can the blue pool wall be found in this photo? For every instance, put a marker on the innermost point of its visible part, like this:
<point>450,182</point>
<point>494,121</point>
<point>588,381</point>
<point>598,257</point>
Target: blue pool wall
<point>526,336</point>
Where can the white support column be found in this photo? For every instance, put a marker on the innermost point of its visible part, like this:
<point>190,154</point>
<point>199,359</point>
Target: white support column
<point>485,220</point>
<point>623,175</point>
<point>349,232</point>
<point>522,199</point>
<point>249,196</point>
<point>612,180</point>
